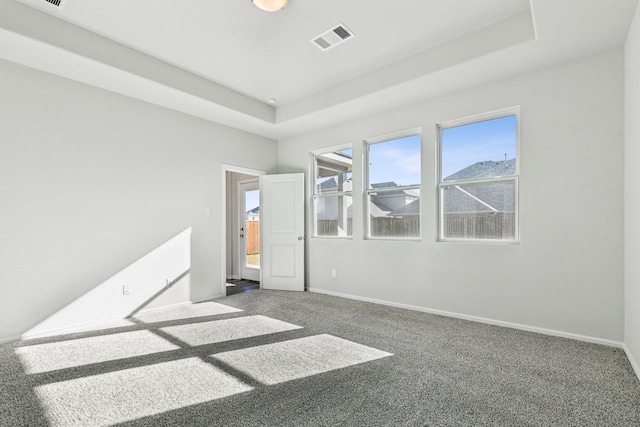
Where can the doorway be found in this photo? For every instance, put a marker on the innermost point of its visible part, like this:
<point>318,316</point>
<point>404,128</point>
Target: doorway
<point>281,215</point>
<point>241,264</point>
<point>249,221</point>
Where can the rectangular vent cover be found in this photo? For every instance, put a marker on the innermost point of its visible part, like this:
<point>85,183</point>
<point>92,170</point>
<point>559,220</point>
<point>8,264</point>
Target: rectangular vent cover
<point>58,4</point>
<point>45,4</point>
<point>333,37</point>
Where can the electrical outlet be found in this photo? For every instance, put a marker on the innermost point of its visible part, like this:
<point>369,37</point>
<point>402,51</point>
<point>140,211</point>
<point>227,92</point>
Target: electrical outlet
<point>126,289</point>
<point>334,273</point>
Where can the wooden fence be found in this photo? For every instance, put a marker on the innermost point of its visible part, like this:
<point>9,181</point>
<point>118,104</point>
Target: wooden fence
<point>397,227</point>
<point>253,237</point>
<point>480,226</point>
<point>329,227</point>
<point>455,226</point>
<point>402,227</point>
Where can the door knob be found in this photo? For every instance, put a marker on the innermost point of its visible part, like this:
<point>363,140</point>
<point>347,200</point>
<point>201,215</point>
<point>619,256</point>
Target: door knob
<point>300,238</point>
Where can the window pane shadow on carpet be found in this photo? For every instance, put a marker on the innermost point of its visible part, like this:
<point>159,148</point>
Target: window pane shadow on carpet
<point>299,358</point>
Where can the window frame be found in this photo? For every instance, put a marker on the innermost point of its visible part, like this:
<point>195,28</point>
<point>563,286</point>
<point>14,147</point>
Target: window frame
<point>440,184</point>
<point>366,192</point>
<point>316,196</point>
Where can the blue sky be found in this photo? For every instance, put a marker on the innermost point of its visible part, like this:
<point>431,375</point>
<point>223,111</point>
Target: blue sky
<point>399,160</point>
<point>488,140</point>
<point>252,199</point>
<point>396,160</point>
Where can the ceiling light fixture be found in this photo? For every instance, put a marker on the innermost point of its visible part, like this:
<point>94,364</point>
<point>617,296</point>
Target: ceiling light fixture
<point>270,5</point>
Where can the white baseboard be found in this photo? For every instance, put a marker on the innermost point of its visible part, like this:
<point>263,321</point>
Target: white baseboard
<point>208,299</point>
<point>494,322</point>
<point>6,340</point>
<point>632,361</point>
<point>86,326</point>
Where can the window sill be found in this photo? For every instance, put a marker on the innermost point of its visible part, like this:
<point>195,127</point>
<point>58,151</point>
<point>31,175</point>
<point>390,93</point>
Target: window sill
<point>395,239</point>
<point>480,241</point>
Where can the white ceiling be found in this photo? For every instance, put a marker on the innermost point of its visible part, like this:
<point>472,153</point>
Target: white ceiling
<point>269,54</point>
<point>222,59</point>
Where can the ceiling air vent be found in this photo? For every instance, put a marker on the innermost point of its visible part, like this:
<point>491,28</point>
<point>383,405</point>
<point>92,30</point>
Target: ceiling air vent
<point>58,4</point>
<point>333,37</point>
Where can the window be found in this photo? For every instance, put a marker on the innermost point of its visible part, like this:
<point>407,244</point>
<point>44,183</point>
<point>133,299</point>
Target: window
<point>392,195</point>
<point>478,188</point>
<point>332,197</point>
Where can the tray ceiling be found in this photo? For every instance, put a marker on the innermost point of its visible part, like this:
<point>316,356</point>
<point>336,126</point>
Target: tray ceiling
<point>221,60</point>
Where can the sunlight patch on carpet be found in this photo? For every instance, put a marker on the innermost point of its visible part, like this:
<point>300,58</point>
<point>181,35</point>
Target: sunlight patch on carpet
<point>186,312</point>
<point>218,331</point>
<point>100,326</point>
<point>85,351</point>
<point>289,360</point>
<point>130,394</point>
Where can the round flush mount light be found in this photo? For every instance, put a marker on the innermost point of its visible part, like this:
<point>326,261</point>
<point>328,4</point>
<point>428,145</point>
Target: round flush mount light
<point>270,5</point>
<point>271,100</point>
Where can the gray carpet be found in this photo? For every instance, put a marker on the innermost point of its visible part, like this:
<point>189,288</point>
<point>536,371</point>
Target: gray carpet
<point>270,358</point>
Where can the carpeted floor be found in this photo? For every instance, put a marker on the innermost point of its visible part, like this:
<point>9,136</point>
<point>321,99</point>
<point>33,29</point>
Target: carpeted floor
<point>269,358</point>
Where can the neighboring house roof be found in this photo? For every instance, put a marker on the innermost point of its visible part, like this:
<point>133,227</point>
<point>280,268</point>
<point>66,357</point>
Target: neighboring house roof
<point>332,184</point>
<point>328,163</point>
<point>376,211</point>
<point>483,198</point>
<point>385,185</point>
<point>487,197</point>
<point>253,214</point>
<point>328,184</point>
<point>410,209</point>
<point>485,169</point>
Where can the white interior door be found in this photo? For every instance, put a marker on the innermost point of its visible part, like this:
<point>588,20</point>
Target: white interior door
<point>282,219</point>
<point>249,220</point>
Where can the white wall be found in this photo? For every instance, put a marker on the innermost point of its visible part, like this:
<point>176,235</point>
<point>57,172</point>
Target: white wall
<point>632,193</point>
<point>90,183</point>
<point>566,275</point>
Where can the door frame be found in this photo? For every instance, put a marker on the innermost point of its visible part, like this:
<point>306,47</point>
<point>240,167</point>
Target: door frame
<point>223,214</point>
<point>242,247</point>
